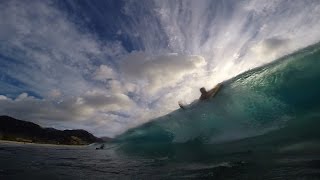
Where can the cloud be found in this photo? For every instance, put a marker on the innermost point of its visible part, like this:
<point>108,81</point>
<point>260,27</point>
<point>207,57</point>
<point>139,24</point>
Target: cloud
<point>79,109</point>
<point>103,73</point>
<point>271,48</point>
<point>78,78</point>
<point>159,72</point>
<point>46,50</point>
<point>55,93</point>
<point>2,97</point>
<point>45,53</point>
<point>105,102</point>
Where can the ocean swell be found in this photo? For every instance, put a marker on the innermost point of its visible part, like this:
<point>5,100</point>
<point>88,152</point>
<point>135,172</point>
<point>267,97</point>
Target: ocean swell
<point>261,100</point>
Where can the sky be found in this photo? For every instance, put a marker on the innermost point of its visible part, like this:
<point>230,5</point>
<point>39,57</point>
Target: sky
<point>106,66</point>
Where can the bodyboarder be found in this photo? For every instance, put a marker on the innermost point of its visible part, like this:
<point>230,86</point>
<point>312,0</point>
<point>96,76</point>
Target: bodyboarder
<point>205,95</point>
<point>208,94</point>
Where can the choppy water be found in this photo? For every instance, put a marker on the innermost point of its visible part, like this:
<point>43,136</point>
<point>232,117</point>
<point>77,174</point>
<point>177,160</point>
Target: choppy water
<point>54,162</point>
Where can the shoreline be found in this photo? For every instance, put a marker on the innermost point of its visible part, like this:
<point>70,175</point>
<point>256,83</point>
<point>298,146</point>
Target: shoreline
<point>39,144</point>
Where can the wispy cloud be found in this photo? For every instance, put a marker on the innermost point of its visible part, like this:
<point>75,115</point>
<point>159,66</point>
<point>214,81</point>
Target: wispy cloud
<point>57,71</point>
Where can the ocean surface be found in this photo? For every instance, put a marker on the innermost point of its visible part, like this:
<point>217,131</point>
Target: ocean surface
<point>20,161</point>
<point>263,124</point>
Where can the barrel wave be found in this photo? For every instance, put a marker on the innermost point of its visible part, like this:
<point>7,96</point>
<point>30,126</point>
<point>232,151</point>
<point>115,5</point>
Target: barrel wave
<point>277,102</point>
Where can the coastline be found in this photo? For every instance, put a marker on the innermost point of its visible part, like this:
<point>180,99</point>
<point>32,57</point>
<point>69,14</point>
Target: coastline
<point>7,142</point>
<point>25,132</point>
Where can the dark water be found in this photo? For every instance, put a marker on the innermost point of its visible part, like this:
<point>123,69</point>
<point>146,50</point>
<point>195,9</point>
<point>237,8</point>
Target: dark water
<point>52,162</point>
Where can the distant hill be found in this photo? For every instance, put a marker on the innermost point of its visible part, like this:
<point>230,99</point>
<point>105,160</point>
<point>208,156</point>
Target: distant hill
<point>17,130</point>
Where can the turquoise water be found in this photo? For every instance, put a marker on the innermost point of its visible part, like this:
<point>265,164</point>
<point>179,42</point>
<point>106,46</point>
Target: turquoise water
<point>263,124</point>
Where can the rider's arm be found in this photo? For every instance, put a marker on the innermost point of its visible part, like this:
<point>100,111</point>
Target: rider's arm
<point>213,90</point>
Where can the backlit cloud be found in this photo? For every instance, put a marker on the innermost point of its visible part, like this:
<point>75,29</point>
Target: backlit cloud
<point>106,68</point>
<point>271,48</point>
<point>160,72</point>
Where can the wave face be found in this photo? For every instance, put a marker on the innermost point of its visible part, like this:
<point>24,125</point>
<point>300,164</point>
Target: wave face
<point>261,101</point>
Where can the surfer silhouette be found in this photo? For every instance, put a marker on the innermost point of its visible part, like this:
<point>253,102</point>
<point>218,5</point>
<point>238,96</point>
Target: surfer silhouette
<point>208,94</point>
<point>205,95</point>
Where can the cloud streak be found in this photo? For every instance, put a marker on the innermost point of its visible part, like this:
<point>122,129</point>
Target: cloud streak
<point>56,69</point>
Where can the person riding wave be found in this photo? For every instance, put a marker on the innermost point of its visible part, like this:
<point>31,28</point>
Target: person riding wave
<point>208,94</point>
<point>205,95</point>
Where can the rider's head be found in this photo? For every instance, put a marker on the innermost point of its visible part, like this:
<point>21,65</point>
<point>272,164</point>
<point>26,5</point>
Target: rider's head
<point>203,90</point>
